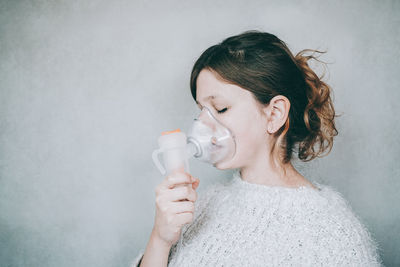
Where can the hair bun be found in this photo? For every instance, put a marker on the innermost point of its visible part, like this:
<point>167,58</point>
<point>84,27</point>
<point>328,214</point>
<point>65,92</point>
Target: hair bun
<point>319,113</point>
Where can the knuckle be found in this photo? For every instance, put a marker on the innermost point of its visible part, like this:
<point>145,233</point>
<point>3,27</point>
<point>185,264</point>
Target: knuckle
<point>183,176</point>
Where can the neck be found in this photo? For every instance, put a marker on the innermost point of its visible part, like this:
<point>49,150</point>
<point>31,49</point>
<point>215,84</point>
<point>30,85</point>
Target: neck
<point>261,171</point>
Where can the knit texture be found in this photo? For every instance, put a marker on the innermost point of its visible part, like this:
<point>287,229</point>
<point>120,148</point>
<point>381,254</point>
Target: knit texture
<point>238,223</point>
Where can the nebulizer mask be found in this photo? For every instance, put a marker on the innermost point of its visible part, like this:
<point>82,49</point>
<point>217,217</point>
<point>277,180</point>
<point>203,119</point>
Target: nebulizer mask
<point>207,140</point>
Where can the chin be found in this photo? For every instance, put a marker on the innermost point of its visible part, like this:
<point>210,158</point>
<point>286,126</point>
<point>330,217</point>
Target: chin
<point>224,165</point>
<point>220,168</point>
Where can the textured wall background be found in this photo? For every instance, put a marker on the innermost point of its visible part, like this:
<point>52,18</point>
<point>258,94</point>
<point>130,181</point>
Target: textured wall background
<point>86,87</point>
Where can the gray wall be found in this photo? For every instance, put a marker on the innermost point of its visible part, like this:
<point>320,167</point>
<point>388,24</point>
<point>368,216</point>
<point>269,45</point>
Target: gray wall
<point>86,87</point>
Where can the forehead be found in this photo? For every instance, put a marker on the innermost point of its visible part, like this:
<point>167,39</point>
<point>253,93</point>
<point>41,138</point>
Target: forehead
<point>211,86</point>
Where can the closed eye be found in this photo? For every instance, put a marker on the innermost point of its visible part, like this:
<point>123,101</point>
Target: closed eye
<point>222,110</point>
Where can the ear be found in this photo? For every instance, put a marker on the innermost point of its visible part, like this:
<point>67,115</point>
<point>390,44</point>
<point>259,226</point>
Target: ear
<point>276,113</point>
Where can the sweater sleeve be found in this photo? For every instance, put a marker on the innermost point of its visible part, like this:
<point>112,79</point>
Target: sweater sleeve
<point>348,241</point>
<point>359,248</point>
<point>330,234</point>
<point>138,259</point>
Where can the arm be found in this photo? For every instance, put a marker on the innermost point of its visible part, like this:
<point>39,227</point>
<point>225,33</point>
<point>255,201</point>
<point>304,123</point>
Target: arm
<point>156,253</point>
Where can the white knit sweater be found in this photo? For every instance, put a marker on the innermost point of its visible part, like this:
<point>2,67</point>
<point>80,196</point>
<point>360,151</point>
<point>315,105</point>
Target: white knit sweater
<point>238,223</point>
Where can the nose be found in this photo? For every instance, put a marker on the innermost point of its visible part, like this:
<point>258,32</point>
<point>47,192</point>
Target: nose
<point>206,118</point>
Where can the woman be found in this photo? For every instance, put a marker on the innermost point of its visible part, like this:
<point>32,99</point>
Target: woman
<point>268,214</point>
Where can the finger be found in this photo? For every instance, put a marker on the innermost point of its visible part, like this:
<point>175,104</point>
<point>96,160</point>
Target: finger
<point>182,206</point>
<point>184,218</point>
<point>196,183</point>
<point>182,193</point>
<point>177,178</point>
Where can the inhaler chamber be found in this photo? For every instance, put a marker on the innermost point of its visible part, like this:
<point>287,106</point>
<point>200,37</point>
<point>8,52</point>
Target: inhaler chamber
<point>210,140</point>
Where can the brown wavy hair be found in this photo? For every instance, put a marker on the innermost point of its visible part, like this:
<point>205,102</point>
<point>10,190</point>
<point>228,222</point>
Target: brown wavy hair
<point>262,63</point>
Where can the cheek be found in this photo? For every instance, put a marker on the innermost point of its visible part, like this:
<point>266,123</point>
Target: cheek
<point>249,136</point>
<point>247,140</point>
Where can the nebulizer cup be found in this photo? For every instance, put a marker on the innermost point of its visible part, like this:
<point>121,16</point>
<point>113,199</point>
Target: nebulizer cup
<point>173,146</point>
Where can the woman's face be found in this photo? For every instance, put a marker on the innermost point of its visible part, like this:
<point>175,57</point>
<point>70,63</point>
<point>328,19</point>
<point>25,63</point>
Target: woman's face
<point>238,110</point>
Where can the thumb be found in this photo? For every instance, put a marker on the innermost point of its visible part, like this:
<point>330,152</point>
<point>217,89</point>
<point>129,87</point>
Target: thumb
<point>196,183</point>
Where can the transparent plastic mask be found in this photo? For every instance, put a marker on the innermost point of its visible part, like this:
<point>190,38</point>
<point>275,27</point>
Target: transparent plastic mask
<point>209,140</point>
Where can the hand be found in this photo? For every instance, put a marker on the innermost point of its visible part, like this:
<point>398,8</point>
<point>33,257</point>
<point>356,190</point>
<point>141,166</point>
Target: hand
<point>175,197</point>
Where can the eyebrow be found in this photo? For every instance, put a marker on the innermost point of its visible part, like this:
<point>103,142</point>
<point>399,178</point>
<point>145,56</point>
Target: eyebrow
<point>208,97</point>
